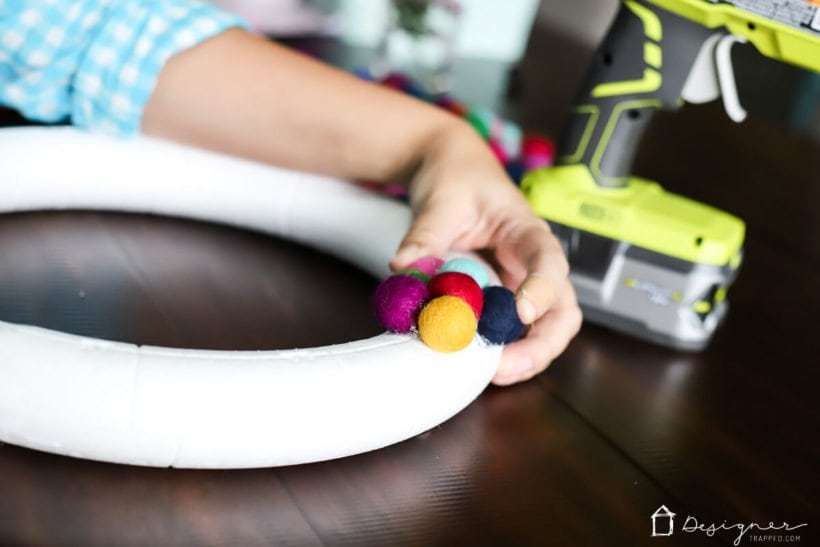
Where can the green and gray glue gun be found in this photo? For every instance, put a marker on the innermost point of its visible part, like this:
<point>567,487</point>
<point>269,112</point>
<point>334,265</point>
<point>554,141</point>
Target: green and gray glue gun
<point>645,261</point>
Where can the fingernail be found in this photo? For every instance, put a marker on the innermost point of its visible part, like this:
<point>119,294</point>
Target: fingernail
<point>526,310</point>
<point>407,254</point>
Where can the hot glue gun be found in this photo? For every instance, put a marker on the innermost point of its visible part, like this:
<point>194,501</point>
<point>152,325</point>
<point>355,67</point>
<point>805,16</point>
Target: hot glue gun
<point>643,260</point>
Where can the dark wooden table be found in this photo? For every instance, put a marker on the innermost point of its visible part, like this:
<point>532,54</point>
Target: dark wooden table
<point>581,455</point>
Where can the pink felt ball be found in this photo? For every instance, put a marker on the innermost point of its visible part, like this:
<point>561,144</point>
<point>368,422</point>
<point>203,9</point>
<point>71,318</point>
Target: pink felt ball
<point>427,264</point>
<point>537,151</point>
<point>460,285</point>
<point>397,301</point>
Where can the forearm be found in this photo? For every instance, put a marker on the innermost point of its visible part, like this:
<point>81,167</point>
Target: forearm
<point>243,95</point>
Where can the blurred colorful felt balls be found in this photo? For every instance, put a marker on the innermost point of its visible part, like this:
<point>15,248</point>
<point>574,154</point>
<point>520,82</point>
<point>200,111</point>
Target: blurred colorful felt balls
<point>517,151</point>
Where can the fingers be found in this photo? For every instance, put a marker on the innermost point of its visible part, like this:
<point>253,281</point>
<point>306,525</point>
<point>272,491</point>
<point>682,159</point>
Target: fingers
<point>547,269</point>
<point>431,233</point>
<point>546,339</point>
<point>546,300</point>
<point>534,297</point>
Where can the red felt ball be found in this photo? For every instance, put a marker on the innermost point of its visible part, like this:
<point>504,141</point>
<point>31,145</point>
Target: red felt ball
<point>395,81</point>
<point>458,284</point>
<point>537,145</point>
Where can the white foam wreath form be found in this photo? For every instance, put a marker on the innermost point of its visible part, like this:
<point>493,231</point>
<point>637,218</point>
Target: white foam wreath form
<point>118,402</point>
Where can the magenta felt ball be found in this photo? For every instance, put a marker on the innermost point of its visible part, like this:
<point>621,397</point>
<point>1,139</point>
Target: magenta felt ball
<point>397,302</point>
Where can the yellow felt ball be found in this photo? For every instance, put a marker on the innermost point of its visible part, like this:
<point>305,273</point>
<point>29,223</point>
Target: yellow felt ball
<point>447,324</point>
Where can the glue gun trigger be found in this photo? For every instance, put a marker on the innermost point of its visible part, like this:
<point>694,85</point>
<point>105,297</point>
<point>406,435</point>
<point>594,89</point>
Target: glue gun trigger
<point>702,84</point>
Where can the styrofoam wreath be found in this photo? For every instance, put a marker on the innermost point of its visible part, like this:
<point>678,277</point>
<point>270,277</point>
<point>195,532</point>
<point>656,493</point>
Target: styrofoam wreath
<point>123,403</point>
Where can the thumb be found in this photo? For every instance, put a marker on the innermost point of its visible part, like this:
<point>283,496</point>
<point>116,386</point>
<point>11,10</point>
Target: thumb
<point>547,270</point>
<point>534,297</point>
<point>432,232</point>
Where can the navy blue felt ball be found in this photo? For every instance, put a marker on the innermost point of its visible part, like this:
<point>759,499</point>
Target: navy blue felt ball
<point>499,322</point>
<point>515,170</point>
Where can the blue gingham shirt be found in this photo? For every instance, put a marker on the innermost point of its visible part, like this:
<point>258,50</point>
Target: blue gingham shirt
<point>95,61</point>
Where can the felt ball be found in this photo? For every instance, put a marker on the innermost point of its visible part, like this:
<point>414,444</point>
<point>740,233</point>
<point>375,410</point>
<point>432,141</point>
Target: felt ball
<point>394,190</point>
<point>469,267</point>
<point>427,264</point>
<point>397,301</point>
<point>418,274</point>
<point>458,284</point>
<point>538,145</point>
<point>515,170</point>
<point>459,109</point>
<point>538,151</point>
<point>498,150</point>
<point>511,137</point>
<point>443,100</point>
<point>453,106</point>
<point>413,89</point>
<point>531,163</point>
<point>395,81</point>
<point>447,324</point>
<point>481,120</point>
<point>364,74</point>
<point>499,322</point>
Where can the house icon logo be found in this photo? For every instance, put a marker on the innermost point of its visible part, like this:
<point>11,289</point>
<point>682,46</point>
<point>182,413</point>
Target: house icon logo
<point>663,522</point>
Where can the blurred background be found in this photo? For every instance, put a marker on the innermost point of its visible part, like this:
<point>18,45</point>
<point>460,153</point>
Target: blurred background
<point>514,50</point>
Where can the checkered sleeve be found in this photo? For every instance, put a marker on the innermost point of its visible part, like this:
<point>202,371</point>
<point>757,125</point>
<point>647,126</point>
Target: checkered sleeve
<point>95,61</point>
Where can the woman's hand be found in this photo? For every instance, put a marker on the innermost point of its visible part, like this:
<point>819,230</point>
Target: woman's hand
<point>463,200</point>
<point>242,95</point>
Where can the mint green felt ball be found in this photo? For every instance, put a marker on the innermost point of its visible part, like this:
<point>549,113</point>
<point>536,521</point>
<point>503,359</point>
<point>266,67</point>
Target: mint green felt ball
<point>467,266</point>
